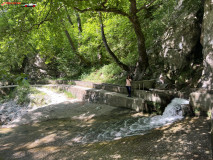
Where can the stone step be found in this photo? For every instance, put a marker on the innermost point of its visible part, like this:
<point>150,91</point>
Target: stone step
<point>103,97</point>
<point>111,88</point>
<point>115,99</point>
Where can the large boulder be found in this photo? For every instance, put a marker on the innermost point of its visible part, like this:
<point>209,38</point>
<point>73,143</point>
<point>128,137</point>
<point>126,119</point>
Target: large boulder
<point>207,42</point>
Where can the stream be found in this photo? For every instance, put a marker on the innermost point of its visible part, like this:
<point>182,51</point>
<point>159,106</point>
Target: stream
<point>129,126</point>
<point>89,123</point>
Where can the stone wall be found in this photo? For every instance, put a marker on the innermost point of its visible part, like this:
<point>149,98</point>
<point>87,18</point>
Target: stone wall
<point>5,90</point>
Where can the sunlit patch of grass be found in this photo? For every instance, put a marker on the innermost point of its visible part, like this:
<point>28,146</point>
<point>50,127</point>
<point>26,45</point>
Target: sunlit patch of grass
<point>36,92</point>
<point>111,73</point>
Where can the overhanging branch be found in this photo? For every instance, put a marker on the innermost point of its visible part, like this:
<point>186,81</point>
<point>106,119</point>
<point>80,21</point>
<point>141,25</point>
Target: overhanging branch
<point>112,10</point>
<point>44,20</point>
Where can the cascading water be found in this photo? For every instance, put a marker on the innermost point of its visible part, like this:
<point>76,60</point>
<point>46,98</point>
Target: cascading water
<point>134,126</point>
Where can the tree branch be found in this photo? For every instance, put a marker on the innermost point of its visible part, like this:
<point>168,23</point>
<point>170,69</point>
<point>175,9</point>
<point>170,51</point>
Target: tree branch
<point>44,20</point>
<point>112,10</point>
<point>146,6</point>
<point>68,16</point>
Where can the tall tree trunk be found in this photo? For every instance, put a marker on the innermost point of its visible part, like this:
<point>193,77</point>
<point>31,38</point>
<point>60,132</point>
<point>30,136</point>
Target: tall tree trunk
<point>115,58</point>
<point>74,48</point>
<point>68,16</point>
<point>142,63</point>
<point>72,45</point>
<point>79,22</point>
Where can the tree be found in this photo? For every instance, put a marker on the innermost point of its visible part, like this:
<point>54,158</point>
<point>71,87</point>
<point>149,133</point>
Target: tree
<point>115,58</point>
<point>121,9</point>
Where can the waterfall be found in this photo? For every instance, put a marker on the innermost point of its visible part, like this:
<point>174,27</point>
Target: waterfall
<point>135,126</point>
<point>172,112</point>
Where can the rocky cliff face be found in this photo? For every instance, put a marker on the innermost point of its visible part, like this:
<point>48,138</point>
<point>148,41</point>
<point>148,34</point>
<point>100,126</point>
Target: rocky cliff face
<point>181,37</point>
<point>207,42</point>
<point>180,53</point>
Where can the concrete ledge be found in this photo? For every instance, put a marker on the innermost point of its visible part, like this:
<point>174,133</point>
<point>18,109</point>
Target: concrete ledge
<point>66,82</point>
<point>202,102</point>
<point>115,99</point>
<point>77,91</point>
<point>111,88</point>
<point>154,96</point>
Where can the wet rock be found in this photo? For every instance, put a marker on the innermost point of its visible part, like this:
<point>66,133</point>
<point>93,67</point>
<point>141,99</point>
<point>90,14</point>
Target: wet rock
<point>187,110</point>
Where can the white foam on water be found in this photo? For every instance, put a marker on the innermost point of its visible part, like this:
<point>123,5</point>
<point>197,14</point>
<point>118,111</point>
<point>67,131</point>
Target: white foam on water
<point>136,126</point>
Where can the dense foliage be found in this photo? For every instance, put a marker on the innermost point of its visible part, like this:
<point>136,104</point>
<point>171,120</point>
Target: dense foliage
<point>69,41</point>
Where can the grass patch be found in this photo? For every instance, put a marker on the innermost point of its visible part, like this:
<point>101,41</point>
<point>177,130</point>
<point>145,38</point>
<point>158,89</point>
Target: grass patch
<point>33,90</point>
<point>111,73</point>
<point>71,83</point>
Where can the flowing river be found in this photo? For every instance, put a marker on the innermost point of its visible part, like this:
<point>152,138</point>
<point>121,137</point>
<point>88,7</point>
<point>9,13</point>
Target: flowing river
<point>123,127</point>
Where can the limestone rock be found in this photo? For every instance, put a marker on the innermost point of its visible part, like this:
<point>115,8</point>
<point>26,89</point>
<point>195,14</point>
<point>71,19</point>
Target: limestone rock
<point>181,37</point>
<point>207,42</point>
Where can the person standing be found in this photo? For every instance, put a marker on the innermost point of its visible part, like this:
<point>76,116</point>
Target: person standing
<point>128,85</point>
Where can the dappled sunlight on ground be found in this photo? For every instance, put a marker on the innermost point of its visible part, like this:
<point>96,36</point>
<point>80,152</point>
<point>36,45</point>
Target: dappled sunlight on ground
<point>56,139</point>
<point>61,129</point>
